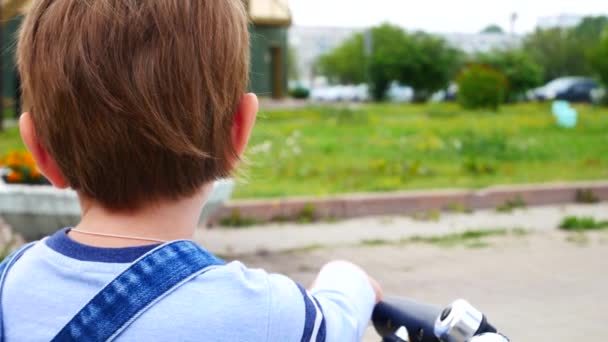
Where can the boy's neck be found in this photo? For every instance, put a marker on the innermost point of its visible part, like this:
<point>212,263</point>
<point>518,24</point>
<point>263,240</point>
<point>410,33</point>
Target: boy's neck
<point>166,221</point>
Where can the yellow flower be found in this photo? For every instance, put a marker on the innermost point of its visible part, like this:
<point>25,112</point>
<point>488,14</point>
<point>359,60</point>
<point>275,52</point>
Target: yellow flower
<point>18,159</point>
<point>28,159</point>
<point>13,159</point>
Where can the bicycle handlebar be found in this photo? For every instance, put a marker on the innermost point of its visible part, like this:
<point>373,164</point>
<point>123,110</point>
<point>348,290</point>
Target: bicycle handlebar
<point>418,318</point>
<point>399,319</point>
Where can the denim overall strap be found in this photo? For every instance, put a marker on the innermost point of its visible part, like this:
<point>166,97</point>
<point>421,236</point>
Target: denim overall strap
<point>5,266</point>
<point>149,279</point>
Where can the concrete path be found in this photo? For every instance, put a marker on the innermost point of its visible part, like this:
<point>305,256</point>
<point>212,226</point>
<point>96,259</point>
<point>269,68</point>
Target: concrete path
<point>545,286</point>
<point>283,237</point>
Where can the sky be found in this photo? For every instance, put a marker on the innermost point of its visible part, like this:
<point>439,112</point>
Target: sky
<point>441,16</point>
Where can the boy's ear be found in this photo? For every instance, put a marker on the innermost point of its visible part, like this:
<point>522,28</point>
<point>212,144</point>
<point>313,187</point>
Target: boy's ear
<point>244,119</point>
<point>46,164</point>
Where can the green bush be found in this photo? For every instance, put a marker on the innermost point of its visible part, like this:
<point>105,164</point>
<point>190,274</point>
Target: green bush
<point>299,93</point>
<point>480,86</point>
<point>521,71</point>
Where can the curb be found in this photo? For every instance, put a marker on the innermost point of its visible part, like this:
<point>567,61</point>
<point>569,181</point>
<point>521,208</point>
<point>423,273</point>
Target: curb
<point>409,202</point>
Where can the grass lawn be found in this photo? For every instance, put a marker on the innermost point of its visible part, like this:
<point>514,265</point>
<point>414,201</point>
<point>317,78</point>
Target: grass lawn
<point>10,140</point>
<point>384,147</point>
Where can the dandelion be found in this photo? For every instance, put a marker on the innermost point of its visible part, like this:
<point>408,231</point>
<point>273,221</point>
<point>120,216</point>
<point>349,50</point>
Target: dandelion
<point>264,148</point>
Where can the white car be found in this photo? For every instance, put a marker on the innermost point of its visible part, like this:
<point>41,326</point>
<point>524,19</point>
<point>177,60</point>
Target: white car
<point>355,93</point>
<point>399,93</point>
<point>349,93</point>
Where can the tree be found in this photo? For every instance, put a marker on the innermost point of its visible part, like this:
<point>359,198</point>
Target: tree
<point>599,59</point>
<point>566,51</point>
<point>558,51</point>
<point>389,57</point>
<point>423,61</point>
<point>493,28</point>
<point>432,66</point>
<point>346,63</point>
<point>590,29</point>
<point>521,71</point>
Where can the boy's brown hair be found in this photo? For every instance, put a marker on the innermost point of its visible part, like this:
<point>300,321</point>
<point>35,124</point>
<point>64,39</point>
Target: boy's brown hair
<point>134,99</point>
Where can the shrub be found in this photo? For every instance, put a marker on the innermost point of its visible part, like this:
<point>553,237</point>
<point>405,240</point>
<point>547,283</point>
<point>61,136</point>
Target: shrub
<point>521,71</point>
<point>480,86</point>
<point>299,93</point>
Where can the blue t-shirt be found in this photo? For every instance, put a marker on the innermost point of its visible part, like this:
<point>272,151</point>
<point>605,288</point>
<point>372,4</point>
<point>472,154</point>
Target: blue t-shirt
<point>54,279</point>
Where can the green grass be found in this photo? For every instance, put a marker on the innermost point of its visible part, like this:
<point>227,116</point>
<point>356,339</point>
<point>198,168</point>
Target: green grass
<point>385,147</point>
<point>10,140</point>
<point>376,242</point>
<point>580,224</point>
<point>469,238</point>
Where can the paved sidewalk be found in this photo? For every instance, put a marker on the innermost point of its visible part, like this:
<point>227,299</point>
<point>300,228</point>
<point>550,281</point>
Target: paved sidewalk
<point>538,287</point>
<point>282,237</point>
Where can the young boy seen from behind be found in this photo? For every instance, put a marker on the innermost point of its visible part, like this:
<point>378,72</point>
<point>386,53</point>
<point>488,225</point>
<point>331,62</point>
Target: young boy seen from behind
<point>139,106</point>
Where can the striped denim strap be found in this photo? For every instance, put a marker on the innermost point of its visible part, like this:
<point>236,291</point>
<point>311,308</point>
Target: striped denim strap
<point>5,266</point>
<point>147,281</point>
<point>314,323</point>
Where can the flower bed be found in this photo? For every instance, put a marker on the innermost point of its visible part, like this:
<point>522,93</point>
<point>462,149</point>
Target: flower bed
<point>35,209</point>
<point>19,167</point>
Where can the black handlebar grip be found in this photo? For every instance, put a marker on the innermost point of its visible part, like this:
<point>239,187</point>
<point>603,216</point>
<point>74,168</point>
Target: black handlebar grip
<point>419,319</point>
<point>485,327</point>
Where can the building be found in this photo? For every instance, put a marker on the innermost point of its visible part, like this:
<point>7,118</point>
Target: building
<point>559,21</point>
<point>270,20</point>
<point>482,42</point>
<point>9,21</point>
<point>311,42</point>
<point>269,46</point>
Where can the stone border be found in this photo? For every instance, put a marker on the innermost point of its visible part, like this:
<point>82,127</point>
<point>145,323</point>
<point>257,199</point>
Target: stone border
<point>39,210</point>
<point>407,202</point>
